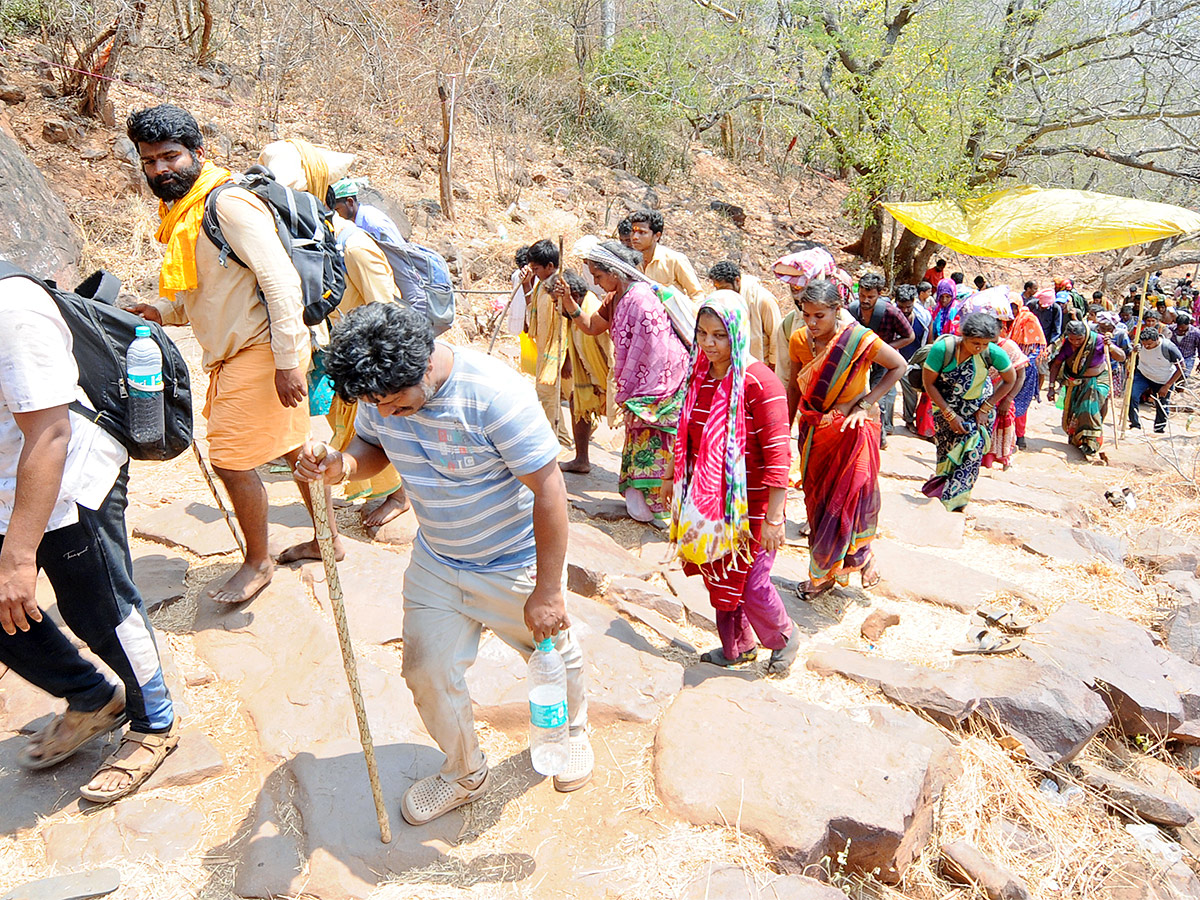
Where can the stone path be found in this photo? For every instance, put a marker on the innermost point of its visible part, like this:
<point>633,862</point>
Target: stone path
<point>267,794</point>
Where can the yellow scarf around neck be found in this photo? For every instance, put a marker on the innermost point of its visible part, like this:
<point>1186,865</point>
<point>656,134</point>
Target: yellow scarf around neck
<point>179,229</point>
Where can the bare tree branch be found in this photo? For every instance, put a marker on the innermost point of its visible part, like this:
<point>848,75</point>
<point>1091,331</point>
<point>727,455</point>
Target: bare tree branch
<point>1121,159</point>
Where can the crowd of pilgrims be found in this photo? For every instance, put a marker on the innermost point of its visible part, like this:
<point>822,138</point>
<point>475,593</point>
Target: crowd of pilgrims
<point>711,381</point>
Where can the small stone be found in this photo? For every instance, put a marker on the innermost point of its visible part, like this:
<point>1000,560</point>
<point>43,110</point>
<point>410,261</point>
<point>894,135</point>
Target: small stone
<point>730,210</point>
<point>539,177</point>
<point>55,131</point>
<point>646,595</point>
<point>963,863</point>
<point>877,623</point>
<point>413,168</point>
<point>49,91</point>
<point>11,94</point>
<point>562,194</point>
<point>460,191</point>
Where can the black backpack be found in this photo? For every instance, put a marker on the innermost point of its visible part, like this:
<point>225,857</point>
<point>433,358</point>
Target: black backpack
<point>101,333</point>
<point>305,228</point>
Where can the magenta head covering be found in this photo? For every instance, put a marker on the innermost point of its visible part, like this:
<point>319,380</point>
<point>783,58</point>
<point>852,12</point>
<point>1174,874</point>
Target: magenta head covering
<point>947,288</point>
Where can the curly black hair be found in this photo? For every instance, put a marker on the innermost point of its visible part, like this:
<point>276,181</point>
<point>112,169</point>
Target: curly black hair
<point>164,123</point>
<point>726,272</point>
<point>650,217</point>
<point>980,325</point>
<point>378,350</point>
<point>872,281</point>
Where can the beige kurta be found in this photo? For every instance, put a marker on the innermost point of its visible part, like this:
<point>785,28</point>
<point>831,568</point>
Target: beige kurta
<point>764,319</point>
<point>246,338</point>
<point>671,268</point>
<point>225,311</point>
<point>368,273</point>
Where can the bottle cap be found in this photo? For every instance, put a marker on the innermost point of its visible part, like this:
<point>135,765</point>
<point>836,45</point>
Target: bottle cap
<point>546,645</point>
<point>141,331</point>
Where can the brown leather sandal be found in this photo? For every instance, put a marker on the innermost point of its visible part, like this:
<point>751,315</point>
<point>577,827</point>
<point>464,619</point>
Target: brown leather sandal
<point>68,732</point>
<point>160,744</point>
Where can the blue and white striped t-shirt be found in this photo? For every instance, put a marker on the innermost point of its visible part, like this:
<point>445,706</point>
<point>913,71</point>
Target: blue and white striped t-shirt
<point>459,456</point>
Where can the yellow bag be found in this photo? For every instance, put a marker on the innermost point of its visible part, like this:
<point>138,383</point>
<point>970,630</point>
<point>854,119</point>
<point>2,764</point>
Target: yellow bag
<point>529,354</point>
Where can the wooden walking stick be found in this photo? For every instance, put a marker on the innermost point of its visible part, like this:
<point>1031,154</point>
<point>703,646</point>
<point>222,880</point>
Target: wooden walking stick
<point>316,492</point>
<point>212,486</point>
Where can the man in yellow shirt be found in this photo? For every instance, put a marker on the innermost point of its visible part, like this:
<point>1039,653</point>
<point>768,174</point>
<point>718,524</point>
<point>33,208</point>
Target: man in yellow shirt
<point>247,319</point>
<point>549,331</point>
<point>669,268</point>
<point>761,305</point>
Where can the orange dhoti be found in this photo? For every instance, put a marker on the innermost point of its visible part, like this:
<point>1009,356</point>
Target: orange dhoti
<point>247,424</point>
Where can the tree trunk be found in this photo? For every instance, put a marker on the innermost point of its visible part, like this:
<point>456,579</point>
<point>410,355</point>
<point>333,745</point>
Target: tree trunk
<point>205,52</point>
<point>912,257</point>
<point>445,184</point>
<point>870,243</point>
<point>608,23</point>
<point>95,85</point>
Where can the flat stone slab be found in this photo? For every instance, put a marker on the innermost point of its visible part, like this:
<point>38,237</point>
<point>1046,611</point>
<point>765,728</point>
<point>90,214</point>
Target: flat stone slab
<point>80,886</point>
<point>627,679</point>
<point>1045,539</point>
<point>692,593</point>
<point>159,577</point>
<point>196,526</point>
<point>920,521</point>
<point>605,508</point>
<point>1118,660</point>
<point>992,490</point>
<point>595,559</point>
<point>1183,629</point>
<point>372,581</point>
<point>794,784</point>
<point>732,883</point>
<point>26,797</point>
<point>283,656</point>
<point>195,760</point>
<point>1051,714</point>
<point>132,829</point>
<point>1166,551</point>
<point>911,574</point>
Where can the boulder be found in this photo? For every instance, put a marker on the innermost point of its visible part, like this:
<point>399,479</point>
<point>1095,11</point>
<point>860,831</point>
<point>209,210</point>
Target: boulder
<point>11,94</point>
<point>56,131</point>
<point>1115,658</point>
<point>1165,550</point>
<point>913,575</point>
<point>1051,714</point>
<point>791,780</point>
<point>1127,795</point>
<point>47,243</point>
<point>876,623</point>
<point>732,883</point>
<point>963,863</point>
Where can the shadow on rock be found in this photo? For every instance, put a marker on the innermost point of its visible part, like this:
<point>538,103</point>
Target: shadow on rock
<point>314,828</point>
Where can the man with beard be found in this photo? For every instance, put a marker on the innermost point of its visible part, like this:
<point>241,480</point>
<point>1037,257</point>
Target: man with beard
<point>248,320</point>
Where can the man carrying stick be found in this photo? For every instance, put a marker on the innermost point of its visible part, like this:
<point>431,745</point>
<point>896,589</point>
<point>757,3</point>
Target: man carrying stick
<point>479,463</point>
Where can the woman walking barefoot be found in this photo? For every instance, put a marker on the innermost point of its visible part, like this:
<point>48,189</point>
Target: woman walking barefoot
<point>839,436</point>
<point>732,460</point>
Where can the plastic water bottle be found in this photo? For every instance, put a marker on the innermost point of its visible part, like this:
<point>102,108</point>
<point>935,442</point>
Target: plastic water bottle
<point>547,710</point>
<point>143,373</point>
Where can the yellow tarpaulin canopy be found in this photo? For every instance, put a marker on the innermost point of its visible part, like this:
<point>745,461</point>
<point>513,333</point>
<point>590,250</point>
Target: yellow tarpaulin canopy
<point>1031,221</point>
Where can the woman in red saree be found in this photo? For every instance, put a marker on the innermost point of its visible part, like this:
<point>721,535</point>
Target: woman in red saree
<point>839,436</point>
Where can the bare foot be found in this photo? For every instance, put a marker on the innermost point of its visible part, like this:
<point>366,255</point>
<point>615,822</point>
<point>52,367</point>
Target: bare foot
<point>387,510</point>
<point>576,466</point>
<point>310,550</point>
<point>244,584</point>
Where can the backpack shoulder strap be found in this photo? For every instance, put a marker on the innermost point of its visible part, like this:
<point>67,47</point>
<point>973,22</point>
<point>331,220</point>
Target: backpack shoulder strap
<point>877,312</point>
<point>212,225</point>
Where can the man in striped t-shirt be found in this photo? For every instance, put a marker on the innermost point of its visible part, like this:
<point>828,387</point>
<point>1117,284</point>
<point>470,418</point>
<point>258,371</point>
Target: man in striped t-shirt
<point>479,463</point>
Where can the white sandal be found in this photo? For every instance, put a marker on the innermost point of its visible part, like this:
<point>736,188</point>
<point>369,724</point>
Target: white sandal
<point>581,760</point>
<point>435,796</point>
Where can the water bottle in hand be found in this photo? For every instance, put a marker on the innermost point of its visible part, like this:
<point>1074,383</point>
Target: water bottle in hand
<point>547,709</point>
<point>143,373</point>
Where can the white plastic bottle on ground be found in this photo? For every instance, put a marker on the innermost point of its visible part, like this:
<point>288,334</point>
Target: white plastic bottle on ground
<point>547,709</point>
<point>143,374</point>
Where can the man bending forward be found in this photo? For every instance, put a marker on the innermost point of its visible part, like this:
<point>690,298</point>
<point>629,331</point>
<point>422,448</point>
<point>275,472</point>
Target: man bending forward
<point>479,463</point>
